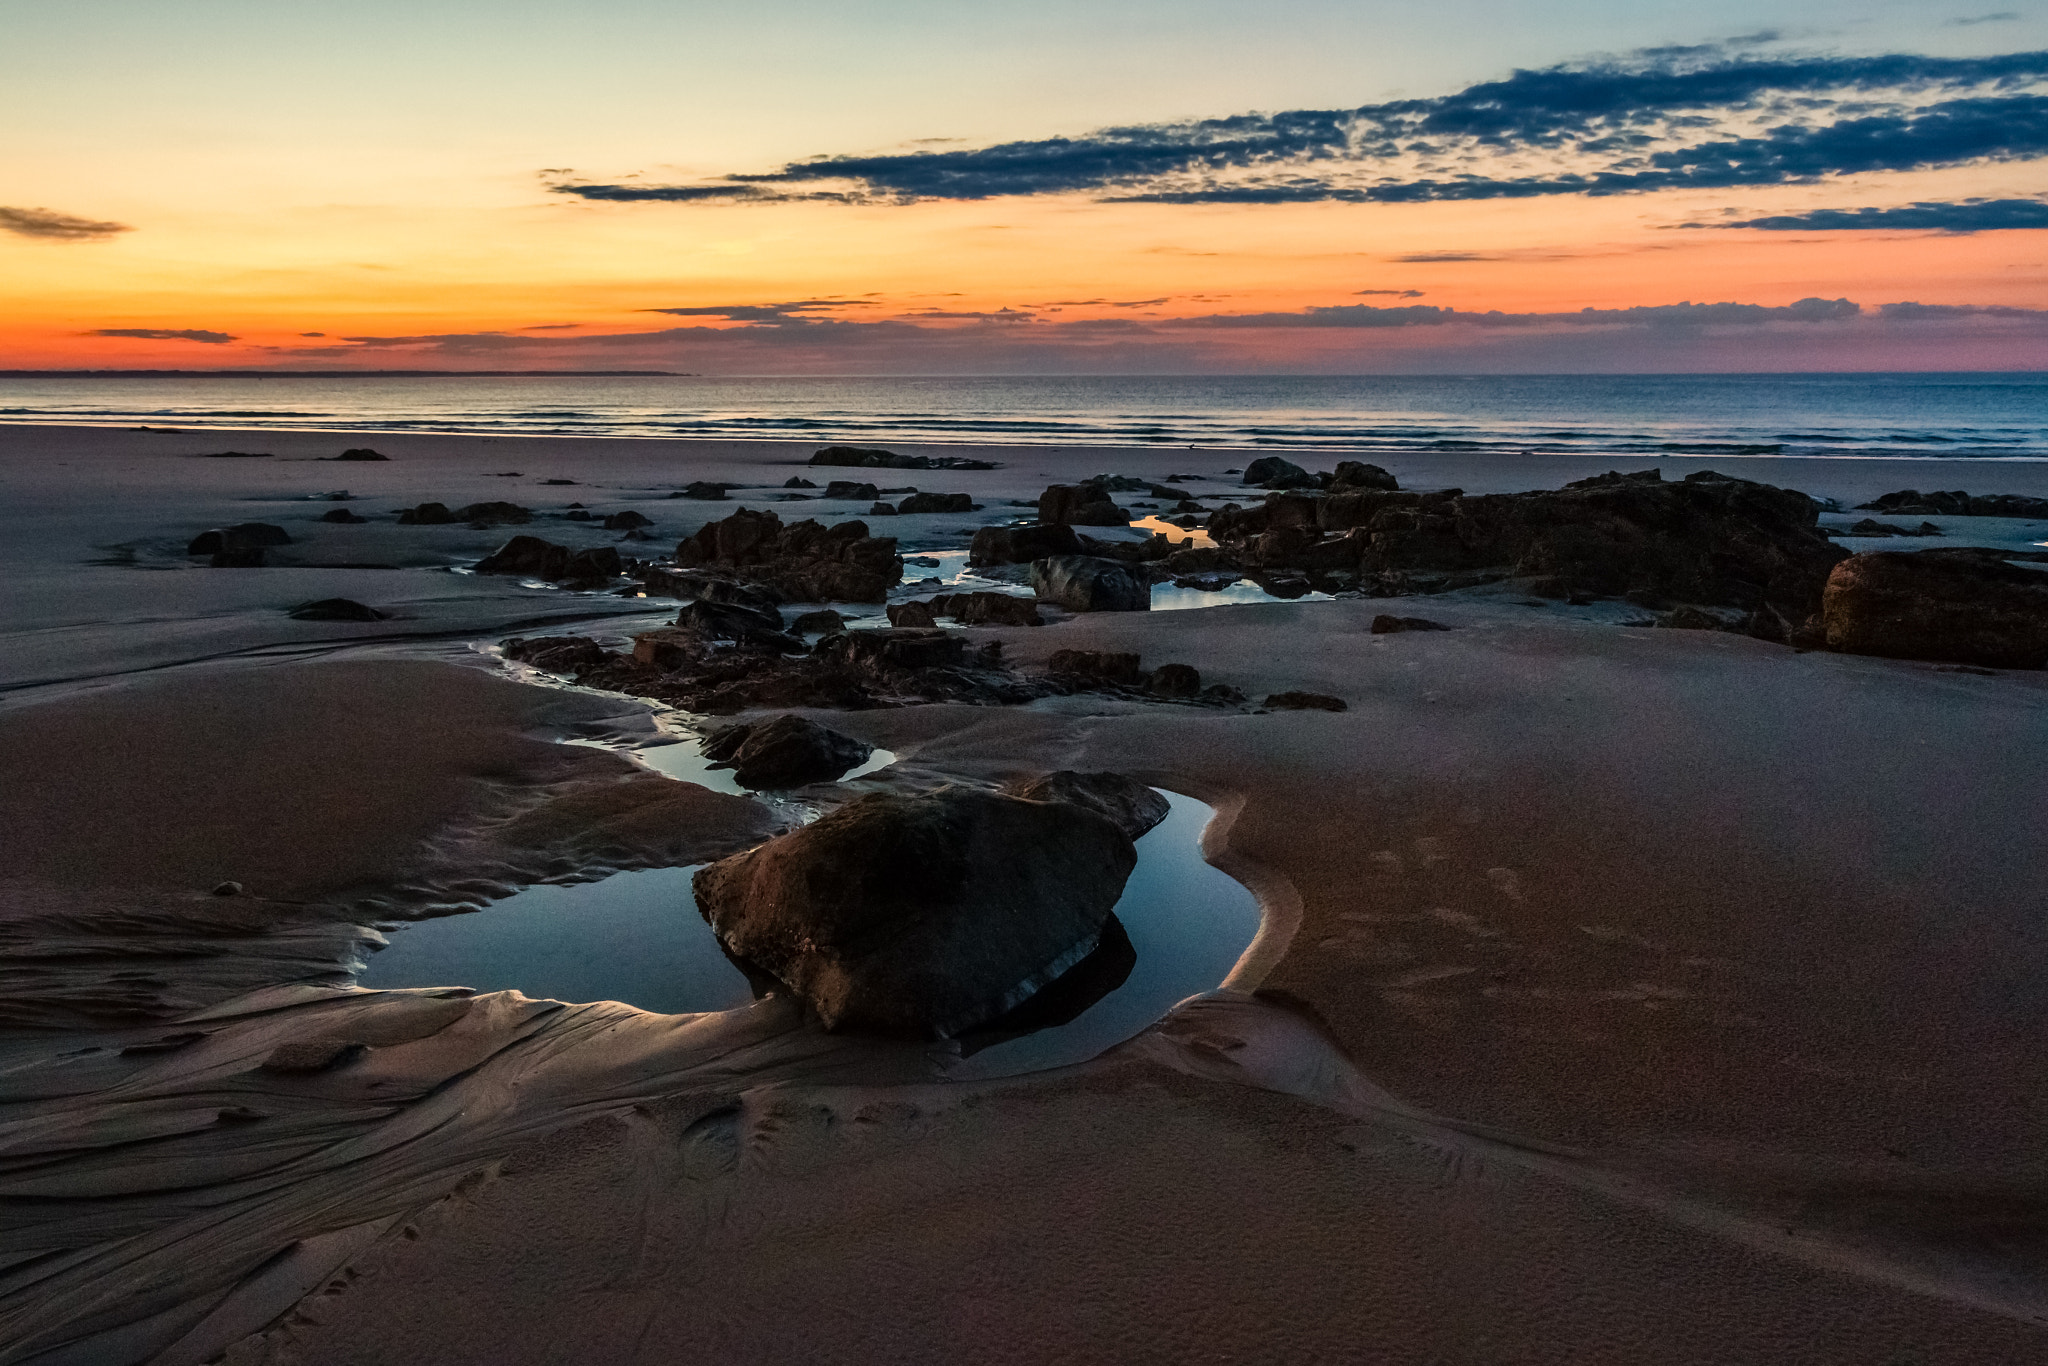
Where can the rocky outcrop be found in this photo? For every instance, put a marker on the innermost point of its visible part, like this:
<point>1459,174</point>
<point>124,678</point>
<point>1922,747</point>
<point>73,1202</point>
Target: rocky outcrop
<point>806,562</point>
<point>994,545</point>
<point>1272,472</point>
<point>935,502</point>
<point>1961,606</point>
<point>1086,504</point>
<point>1956,503</point>
<point>923,916</point>
<point>912,614</point>
<point>1708,539</point>
<point>857,457</point>
<point>361,453</point>
<point>848,491</point>
<point>979,608</point>
<point>702,491</point>
<point>627,520</point>
<point>336,609</point>
<point>784,752</point>
<point>531,557</point>
<point>1356,476</point>
<point>343,517</point>
<point>1085,583</point>
<point>1122,800</point>
<point>426,514</point>
<point>1870,526</point>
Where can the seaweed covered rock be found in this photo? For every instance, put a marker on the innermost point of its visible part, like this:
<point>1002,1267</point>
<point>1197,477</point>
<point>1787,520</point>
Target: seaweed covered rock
<point>783,752</point>
<point>1127,803</point>
<point>923,916</point>
<point>1961,606</point>
<point>1086,583</point>
<point>806,562</point>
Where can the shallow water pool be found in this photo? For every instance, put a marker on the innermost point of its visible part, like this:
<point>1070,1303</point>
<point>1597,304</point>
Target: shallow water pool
<point>638,938</point>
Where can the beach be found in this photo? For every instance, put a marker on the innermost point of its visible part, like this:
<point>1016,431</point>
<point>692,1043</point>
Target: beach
<point>1620,994</point>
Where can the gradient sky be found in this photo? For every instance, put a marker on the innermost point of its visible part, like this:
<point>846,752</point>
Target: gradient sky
<point>1111,186</point>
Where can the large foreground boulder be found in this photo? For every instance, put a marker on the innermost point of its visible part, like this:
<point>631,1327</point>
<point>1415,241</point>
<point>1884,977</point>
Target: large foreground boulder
<point>1085,583</point>
<point>922,916</point>
<point>533,558</point>
<point>1962,606</point>
<point>784,752</point>
<point>1127,803</point>
<point>806,562</point>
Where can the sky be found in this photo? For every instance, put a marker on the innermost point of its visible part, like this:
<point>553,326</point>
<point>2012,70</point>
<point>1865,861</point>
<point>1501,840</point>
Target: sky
<point>1115,186</point>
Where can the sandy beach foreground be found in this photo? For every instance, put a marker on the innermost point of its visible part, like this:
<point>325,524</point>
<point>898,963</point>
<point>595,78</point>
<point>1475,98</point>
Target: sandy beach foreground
<point>1623,995</point>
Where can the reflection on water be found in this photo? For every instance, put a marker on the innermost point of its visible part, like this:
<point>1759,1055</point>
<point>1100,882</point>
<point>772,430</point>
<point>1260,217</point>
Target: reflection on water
<point>1167,598</point>
<point>638,938</point>
<point>1190,537</point>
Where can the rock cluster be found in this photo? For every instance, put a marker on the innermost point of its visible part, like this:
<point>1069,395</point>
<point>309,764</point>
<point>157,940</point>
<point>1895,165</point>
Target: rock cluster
<point>1965,606</point>
<point>857,457</point>
<point>925,915</point>
<point>1956,503</point>
<point>475,514</point>
<point>805,562</point>
<point>784,752</point>
<point>980,608</point>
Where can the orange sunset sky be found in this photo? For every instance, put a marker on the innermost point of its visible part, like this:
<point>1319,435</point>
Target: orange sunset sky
<point>1109,187</point>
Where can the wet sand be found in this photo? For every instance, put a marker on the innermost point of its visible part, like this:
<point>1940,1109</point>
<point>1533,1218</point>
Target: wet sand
<point>1628,995</point>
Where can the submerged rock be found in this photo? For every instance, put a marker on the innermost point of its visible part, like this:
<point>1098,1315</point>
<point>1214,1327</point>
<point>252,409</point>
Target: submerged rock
<point>1960,606</point>
<point>784,751</point>
<point>925,915</point>
<point>1085,583</point>
<point>343,516</point>
<point>337,609</point>
<point>1124,801</point>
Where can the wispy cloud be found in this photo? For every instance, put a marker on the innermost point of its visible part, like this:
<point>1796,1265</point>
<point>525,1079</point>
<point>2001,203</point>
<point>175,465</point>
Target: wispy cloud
<point>2004,16</point>
<point>50,226</point>
<point>1963,216</point>
<point>1710,117</point>
<point>191,334</point>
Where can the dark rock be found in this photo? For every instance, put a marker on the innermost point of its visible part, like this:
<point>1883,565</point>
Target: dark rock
<point>798,482</point>
<point>860,458</point>
<point>337,609</point>
<point>361,453</point>
<point>1021,544</point>
<point>1353,474</point>
<point>228,889</point>
<point>912,614</point>
<point>343,516</point>
<point>818,623</point>
<point>1080,505</point>
<point>935,502</point>
<point>1274,473</point>
<point>806,562</point>
<point>426,514</point>
<point>1386,625</point>
<point>493,514</point>
<point>896,648</point>
<point>784,752</point>
<point>556,654</point>
<point>703,491</point>
<point>628,520</point>
<point>1692,619</point>
<point>881,510</point>
<point>1957,503</point>
<point>533,558</point>
<point>558,481</point>
<point>986,608</point>
<point>576,515</point>
<point>1123,801</point>
<point>708,586</point>
<point>245,536</point>
<point>1108,666</point>
<point>925,915</point>
<point>1083,583</point>
<point>1304,701</point>
<point>1961,606</point>
<point>231,455</point>
<point>1870,526</point>
<point>851,492</point>
<point>1175,680</point>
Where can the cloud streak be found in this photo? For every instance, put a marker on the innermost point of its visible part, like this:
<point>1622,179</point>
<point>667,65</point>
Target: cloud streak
<point>48,225</point>
<point>1965,216</point>
<point>1671,118</point>
<point>190,334</point>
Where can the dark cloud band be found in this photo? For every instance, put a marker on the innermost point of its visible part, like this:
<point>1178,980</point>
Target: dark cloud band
<point>1972,215</point>
<point>51,226</point>
<point>190,334</point>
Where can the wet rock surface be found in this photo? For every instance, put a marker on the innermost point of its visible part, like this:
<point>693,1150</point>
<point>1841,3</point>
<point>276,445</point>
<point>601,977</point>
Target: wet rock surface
<point>805,562</point>
<point>784,752</point>
<point>1124,801</point>
<point>993,545</point>
<point>1086,583</point>
<point>1962,606</point>
<point>923,916</point>
<point>535,558</point>
<point>1956,503</point>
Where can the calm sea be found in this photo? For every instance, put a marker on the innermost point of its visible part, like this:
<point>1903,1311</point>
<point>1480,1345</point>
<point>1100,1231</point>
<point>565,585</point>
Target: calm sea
<point>1926,415</point>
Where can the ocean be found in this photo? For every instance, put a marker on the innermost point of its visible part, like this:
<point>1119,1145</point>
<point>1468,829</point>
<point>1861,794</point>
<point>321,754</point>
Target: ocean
<point>1933,416</point>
